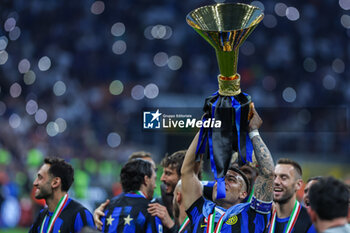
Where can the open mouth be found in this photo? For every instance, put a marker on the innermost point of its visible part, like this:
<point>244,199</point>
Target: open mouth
<point>37,191</point>
<point>167,187</point>
<point>277,190</point>
<point>307,203</point>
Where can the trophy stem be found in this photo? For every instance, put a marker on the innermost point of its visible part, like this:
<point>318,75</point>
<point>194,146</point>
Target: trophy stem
<point>227,62</point>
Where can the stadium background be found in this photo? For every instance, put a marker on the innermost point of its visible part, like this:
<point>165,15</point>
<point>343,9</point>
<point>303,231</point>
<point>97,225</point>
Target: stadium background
<point>75,76</point>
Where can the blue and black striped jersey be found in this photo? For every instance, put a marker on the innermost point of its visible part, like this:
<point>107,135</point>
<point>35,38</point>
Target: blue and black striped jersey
<point>246,220</point>
<point>128,213</point>
<point>186,226</point>
<point>72,219</point>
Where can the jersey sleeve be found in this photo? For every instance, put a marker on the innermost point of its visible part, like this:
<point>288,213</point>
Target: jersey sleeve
<point>195,211</point>
<point>154,225</point>
<point>174,229</point>
<point>208,189</point>
<point>34,228</point>
<point>83,219</point>
<point>312,229</point>
<point>37,224</point>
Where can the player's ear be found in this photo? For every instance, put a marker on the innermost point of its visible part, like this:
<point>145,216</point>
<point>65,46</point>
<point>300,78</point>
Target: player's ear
<point>178,197</point>
<point>243,195</point>
<point>56,182</point>
<point>298,184</point>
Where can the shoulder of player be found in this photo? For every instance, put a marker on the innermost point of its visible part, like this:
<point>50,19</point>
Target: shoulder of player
<point>42,213</point>
<point>44,210</point>
<point>123,200</point>
<point>158,200</point>
<point>201,207</point>
<point>304,215</point>
<point>303,222</point>
<point>75,206</point>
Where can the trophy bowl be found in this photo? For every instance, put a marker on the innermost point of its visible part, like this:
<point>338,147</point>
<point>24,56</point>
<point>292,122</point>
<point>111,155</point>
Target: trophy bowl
<point>225,26</point>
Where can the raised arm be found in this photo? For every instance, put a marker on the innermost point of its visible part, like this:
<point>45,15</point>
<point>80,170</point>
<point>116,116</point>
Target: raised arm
<point>264,182</point>
<point>191,186</point>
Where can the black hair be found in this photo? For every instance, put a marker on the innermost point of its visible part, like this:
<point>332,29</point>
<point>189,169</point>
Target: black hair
<point>329,198</point>
<point>63,170</point>
<point>253,174</point>
<point>133,174</point>
<point>317,178</point>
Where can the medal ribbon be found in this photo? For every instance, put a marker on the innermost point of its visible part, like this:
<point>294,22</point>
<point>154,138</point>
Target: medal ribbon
<point>184,224</point>
<point>211,223</point>
<point>251,195</point>
<point>219,224</point>
<point>55,214</point>
<point>292,219</point>
<point>140,193</point>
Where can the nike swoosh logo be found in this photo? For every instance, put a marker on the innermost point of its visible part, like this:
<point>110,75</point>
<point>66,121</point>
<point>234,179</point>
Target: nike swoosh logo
<point>203,225</point>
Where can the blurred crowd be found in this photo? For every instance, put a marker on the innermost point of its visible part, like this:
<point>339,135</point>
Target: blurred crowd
<point>76,75</point>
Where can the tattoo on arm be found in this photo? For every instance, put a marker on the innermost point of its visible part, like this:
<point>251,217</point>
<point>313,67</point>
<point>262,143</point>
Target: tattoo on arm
<point>264,182</point>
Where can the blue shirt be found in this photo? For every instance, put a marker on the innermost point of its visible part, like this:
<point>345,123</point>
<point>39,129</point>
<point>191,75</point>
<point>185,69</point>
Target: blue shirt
<point>128,213</point>
<point>241,218</point>
<point>73,218</point>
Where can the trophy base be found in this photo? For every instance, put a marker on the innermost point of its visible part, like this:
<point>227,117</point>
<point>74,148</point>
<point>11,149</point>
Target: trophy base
<point>219,144</point>
<point>229,86</point>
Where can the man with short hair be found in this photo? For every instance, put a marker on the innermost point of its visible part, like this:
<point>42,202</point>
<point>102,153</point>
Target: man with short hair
<point>250,172</point>
<point>229,214</point>
<point>142,155</point>
<point>127,212</point>
<point>289,215</point>
<point>62,214</point>
<point>163,207</point>
<point>329,203</point>
<point>307,187</point>
<point>98,213</point>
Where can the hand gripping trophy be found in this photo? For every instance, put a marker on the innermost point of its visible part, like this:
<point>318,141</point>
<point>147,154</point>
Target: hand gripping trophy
<point>225,26</point>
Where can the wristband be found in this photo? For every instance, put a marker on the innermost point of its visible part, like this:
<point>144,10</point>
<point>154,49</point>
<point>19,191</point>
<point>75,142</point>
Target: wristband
<point>253,133</point>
